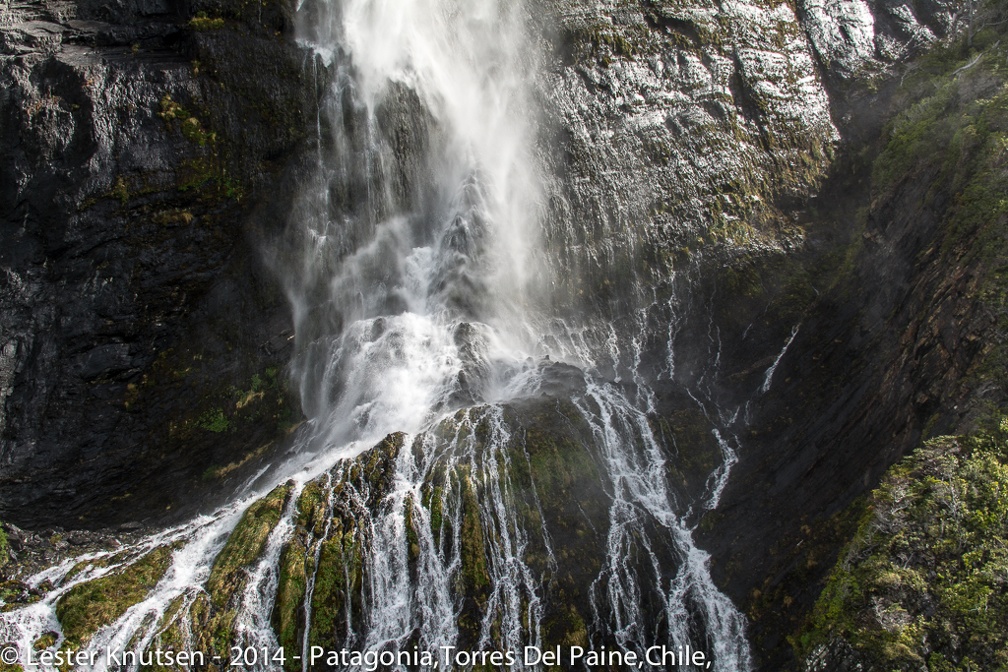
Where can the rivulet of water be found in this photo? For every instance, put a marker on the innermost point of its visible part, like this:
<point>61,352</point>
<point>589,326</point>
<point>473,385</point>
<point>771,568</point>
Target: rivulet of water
<point>426,301</point>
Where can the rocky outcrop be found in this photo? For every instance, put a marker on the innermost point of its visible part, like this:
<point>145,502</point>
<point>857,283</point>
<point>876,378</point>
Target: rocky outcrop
<point>903,342</point>
<point>921,584</point>
<point>855,38</point>
<point>142,341</point>
<point>680,130</point>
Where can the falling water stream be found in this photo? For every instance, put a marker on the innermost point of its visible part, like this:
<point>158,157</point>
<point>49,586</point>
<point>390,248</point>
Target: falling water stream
<point>427,302</point>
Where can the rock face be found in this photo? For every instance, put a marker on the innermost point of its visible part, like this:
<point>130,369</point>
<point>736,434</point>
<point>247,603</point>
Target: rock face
<point>730,147</point>
<point>138,141</point>
<point>901,346</point>
<point>682,126</point>
<point>855,37</point>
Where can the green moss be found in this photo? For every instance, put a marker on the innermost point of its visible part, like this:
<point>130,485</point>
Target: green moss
<point>210,619</point>
<point>360,486</point>
<point>17,594</point>
<point>84,565</point>
<point>170,110</point>
<point>474,576</point>
<point>88,606</point>
<point>200,628</point>
<point>412,539</point>
<point>374,470</point>
<point>205,172</point>
<point>120,191</point>
<point>170,634</point>
<point>202,22</point>
<point>173,217</point>
<point>433,500</point>
<point>296,562</point>
<point>336,600</point>
<point>4,547</point>
<point>562,487</point>
<point>288,614</point>
<point>191,127</point>
<point>923,578</point>
<point>245,545</point>
<point>214,421</point>
<point>262,401</point>
<point>46,641</point>
<point>311,507</point>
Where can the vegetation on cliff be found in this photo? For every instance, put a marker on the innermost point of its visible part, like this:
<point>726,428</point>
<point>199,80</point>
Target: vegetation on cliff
<point>924,582</point>
<point>206,622</point>
<point>4,547</point>
<point>88,606</point>
<point>296,563</point>
<point>245,545</point>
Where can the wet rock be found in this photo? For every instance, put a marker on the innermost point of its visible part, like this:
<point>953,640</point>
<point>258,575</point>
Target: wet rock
<point>887,356</point>
<point>134,299</point>
<point>92,604</point>
<point>853,38</point>
<point>680,127</point>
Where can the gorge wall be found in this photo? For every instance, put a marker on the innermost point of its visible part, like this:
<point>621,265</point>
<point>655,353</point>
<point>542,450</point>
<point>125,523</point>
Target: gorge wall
<point>733,152</point>
<point>146,144</point>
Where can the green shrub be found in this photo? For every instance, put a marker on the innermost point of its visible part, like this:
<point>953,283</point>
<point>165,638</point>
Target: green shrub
<point>923,580</point>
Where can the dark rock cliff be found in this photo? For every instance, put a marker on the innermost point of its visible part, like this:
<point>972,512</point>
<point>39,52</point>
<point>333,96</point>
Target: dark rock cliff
<point>142,343</point>
<point>901,344</point>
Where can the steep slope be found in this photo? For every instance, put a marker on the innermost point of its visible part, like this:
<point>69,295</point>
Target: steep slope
<point>904,342</point>
<point>142,337</point>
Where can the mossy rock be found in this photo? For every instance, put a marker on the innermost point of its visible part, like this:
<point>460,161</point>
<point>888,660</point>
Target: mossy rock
<point>244,546</point>
<point>296,562</point>
<point>171,635</point>
<point>548,466</point>
<point>374,470</point>
<point>288,612</point>
<point>921,584</point>
<point>473,581</point>
<point>212,631</point>
<point>46,641</point>
<point>336,602</point>
<point>16,594</point>
<point>358,487</point>
<point>412,538</point>
<point>210,616</point>
<point>547,457</point>
<point>4,548</point>
<point>88,606</point>
<point>311,507</point>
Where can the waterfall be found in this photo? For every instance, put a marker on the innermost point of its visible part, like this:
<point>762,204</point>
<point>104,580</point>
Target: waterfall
<point>432,319</point>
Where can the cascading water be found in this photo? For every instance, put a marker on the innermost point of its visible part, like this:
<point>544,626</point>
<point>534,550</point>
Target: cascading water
<point>431,297</point>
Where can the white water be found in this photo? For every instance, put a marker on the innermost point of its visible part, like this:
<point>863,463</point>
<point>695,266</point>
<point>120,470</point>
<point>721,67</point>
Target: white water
<point>420,284</point>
